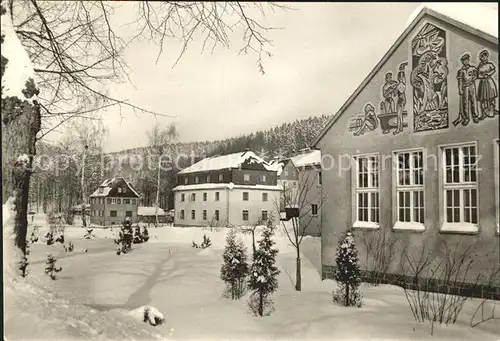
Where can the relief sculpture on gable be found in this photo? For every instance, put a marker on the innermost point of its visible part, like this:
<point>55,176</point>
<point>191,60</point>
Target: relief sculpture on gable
<point>391,116</point>
<point>477,89</point>
<point>429,79</point>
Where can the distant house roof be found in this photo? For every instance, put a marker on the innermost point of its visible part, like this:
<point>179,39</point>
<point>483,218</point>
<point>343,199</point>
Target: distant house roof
<point>110,186</point>
<point>307,158</point>
<point>234,160</point>
<point>149,211</point>
<point>478,19</point>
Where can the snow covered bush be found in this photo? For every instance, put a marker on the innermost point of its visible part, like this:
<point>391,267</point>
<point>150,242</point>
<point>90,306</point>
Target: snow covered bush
<point>89,234</point>
<point>148,314</point>
<point>125,238</point>
<point>263,279</point>
<point>49,238</point>
<point>60,239</point>
<point>145,234</point>
<point>51,268</point>
<point>69,247</point>
<point>33,237</point>
<point>347,273</point>
<point>234,270</point>
<point>206,242</point>
<point>137,235</point>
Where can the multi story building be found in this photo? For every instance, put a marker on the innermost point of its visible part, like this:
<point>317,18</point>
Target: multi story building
<point>415,148</point>
<point>238,189</point>
<point>112,202</point>
<point>300,178</point>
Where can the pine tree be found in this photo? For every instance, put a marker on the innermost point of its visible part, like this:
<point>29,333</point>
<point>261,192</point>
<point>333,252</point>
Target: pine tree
<point>234,270</point>
<point>51,268</point>
<point>138,235</point>
<point>263,273</point>
<point>125,238</point>
<point>347,273</point>
<point>145,234</point>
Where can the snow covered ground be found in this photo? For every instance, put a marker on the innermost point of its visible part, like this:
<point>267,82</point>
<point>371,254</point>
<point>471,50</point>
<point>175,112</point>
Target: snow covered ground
<point>96,290</point>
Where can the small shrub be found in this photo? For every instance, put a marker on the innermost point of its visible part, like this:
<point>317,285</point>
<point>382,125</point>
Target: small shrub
<point>60,239</point>
<point>125,238</point>
<point>206,242</point>
<point>347,273</point>
<point>69,247</point>
<point>195,245</point>
<point>51,268</point>
<point>145,234</point>
<point>138,235</point>
<point>49,238</point>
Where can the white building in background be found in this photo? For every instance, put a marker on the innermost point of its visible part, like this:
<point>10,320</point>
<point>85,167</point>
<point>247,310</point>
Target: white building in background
<point>238,189</point>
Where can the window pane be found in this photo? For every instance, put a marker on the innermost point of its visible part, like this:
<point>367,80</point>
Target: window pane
<point>474,215</point>
<point>456,215</point>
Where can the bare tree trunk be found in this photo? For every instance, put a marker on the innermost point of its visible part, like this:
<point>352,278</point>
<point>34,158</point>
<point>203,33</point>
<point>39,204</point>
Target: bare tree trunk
<point>20,124</point>
<point>158,192</point>
<point>261,304</point>
<point>84,194</point>
<point>298,276</point>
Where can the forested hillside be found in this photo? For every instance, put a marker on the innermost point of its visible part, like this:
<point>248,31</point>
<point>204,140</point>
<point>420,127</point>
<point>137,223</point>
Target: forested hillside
<point>55,186</point>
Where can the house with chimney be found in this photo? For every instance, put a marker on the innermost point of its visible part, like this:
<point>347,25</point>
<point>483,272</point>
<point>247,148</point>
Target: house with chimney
<point>238,189</point>
<point>413,154</point>
<point>112,202</point>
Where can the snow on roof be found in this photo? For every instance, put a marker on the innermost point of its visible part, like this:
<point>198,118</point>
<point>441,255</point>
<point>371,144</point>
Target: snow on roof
<point>225,161</point>
<point>312,157</point>
<point>277,166</point>
<point>480,16</point>
<point>107,185</point>
<point>19,68</point>
<point>224,186</point>
<point>147,210</point>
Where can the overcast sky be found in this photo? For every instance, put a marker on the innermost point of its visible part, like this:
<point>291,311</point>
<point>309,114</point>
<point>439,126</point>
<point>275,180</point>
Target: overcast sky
<point>319,57</point>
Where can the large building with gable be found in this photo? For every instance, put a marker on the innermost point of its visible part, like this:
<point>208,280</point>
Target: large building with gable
<point>238,189</point>
<point>416,148</point>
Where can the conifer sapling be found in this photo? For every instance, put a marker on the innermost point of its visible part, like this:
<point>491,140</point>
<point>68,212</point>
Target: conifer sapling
<point>263,279</point>
<point>51,268</point>
<point>347,273</point>
<point>235,267</point>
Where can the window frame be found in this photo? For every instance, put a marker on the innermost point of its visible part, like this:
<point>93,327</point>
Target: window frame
<point>182,215</point>
<point>243,215</point>
<point>461,227</point>
<point>193,197</point>
<point>111,213</point>
<point>217,196</point>
<point>266,196</point>
<point>312,210</point>
<point>357,224</point>
<point>320,178</point>
<point>263,178</point>
<point>217,215</point>
<point>262,215</point>
<point>205,195</point>
<point>183,197</point>
<point>204,215</point>
<point>412,226</point>
<point>186,180</point>
<point>221,177</point>
<point>247,196</point>
<point>196,179</point>
<point>193,214</point>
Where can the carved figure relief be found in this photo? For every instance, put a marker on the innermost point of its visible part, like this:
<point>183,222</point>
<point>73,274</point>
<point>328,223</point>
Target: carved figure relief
<point>392,114</point>
<point>477,89</point>
<point>429,79</point>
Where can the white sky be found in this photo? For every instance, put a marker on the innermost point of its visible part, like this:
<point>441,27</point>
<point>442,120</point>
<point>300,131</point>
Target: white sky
<point>321,55</point>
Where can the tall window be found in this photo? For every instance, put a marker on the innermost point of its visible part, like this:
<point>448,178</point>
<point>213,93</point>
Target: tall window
<point>193,214</point>
<point>208,178</point>
<point>460,187</point>
<point>217,215</point>
<point>245,196</point>
<point>264,196</point>
<point>246,177</point>
<point>367,191</point>
<point>193,196</point>
<point>263,178</point>
<point>204,214</point>
<point>182,215</point>
<point>409,187</point>
<point>113,200</point>
<point>109,201</point>
<point>221,177</point>
<point>185,180</point>
<point>182,196</point>
<point>197,179</point>
<point>245,215</point>
<point>314,209</point>
<point>320,180</point>
<point>264,215</point>
<point>217,196</point>
<point>204,196</point>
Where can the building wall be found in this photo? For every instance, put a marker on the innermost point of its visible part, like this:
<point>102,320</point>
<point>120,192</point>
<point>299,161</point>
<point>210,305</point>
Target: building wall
<point>238,176</point>
<point>309,185</point>
<point>120,209</point>
<point>199,205</point>
<point>232,199</point>
<point>341,143</point>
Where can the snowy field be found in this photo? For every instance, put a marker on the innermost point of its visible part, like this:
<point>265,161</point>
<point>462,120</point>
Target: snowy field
<point>96,290</point>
